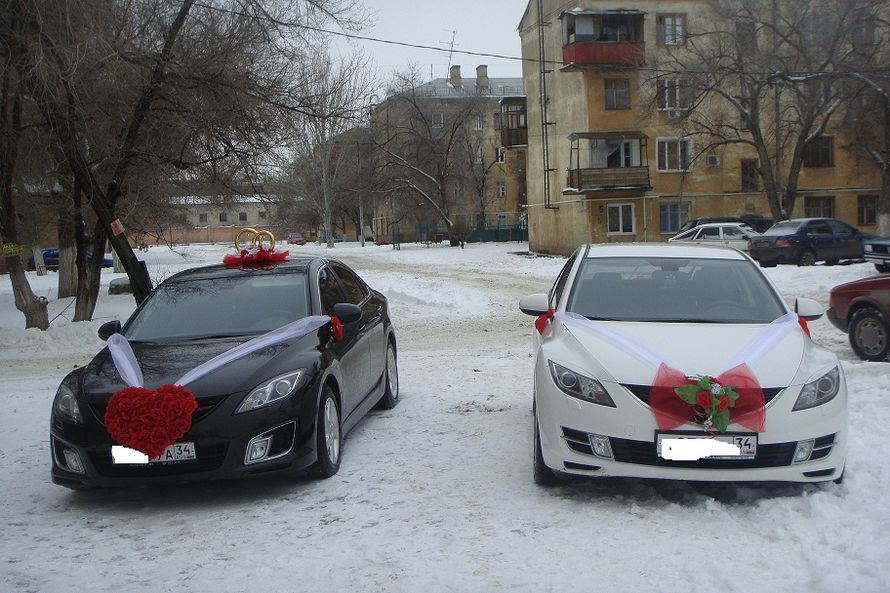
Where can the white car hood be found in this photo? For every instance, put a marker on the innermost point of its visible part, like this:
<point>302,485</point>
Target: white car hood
<point>692,348</point>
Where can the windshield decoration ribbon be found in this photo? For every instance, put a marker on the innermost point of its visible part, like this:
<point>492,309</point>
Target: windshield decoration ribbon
<point>258,250</point>
<point>676,398</point>
<point>148,420</point>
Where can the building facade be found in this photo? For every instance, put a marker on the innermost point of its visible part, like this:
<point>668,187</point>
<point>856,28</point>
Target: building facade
<point>608,158</point>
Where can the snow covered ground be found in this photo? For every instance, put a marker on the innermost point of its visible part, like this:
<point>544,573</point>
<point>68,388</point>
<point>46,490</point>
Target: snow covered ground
<point>435,495</point>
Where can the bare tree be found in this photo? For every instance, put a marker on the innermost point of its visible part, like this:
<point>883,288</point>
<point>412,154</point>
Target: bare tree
<point>724,83</point>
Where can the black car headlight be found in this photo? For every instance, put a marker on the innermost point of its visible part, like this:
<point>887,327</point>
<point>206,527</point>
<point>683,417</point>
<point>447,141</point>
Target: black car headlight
<point>270,392</point>
<point>820,391</point>
<point>65,404</point>
<point>580,386</point>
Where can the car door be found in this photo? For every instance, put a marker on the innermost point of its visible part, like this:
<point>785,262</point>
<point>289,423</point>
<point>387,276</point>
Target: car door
<point>820,240</point>
<point>351,351</point>
<point>709,235</point>
<point>734,237</point>
<point>370,326</point>
<point>847,241</point>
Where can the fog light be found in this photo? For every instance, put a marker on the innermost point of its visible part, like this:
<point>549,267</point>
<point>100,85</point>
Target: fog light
<point>72,460</point>
<point>803,451</point>
<point>258,449</point>
<point>600,446</point>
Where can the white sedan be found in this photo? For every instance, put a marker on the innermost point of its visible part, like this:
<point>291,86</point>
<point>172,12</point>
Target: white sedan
<point>681,362</point>
<point>730,234</point>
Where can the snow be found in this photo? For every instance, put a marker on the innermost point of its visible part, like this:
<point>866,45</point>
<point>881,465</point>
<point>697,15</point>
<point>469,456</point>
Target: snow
<point>435,494</point>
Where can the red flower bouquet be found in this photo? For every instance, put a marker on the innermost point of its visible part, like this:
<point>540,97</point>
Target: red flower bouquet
<point>150,421</point>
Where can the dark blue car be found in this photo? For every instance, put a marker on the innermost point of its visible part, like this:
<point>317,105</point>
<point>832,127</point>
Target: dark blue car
<point>51,260</point>
<point>805,241</point>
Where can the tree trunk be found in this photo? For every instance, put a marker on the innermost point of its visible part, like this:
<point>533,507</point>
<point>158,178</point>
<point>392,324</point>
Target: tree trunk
<point>67,253</point>
<point>89,274</point>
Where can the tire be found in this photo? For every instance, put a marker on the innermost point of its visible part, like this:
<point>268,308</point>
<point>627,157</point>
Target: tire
<point>807,258</point>
<point>328,436</point>
<point>869,335</point>
<point>883,268</point>
<point>390,397</point>
<point>543,475</point>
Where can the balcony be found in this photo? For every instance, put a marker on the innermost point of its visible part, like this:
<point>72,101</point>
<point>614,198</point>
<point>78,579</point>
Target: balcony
<point>631,179</point>
<point>597,53</point>
<point>514,137</point>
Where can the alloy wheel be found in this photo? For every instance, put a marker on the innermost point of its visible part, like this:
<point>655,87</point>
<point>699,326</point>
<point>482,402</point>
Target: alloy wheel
<point>332,430</point>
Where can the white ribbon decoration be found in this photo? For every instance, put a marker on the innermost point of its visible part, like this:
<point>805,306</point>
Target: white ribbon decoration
<point>128,367</point>
<point>758,345</point>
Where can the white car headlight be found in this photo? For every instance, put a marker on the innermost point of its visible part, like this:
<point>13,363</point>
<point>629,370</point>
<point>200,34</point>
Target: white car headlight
<point>580,386</point>
<point>867,247</point>
<point>268,393</point>
<point>65,404</point>
<point>820,391</point>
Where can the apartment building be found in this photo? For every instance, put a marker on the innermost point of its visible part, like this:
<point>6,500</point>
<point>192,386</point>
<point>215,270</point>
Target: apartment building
<point>609,151</point>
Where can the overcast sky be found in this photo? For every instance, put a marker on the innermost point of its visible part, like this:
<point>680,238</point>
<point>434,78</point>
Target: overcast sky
<point>484,26</point>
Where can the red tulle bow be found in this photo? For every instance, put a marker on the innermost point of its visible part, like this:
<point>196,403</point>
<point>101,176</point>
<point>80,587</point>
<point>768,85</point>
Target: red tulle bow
<point>541,320</point>
<point>803,325</point>
<point>670,411</point>
<point>336,329</point>
<point>150,421</point>
<point>262,256</point>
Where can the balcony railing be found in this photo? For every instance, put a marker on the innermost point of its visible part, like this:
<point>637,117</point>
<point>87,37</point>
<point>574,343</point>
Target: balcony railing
<point>514,136</point>
<point>605,53</point>
<point>615,179</point>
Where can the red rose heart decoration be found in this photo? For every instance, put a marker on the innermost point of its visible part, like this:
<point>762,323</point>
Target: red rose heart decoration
<point>149,421</point>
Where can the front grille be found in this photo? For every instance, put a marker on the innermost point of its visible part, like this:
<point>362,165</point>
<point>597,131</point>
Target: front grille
<point>642,392</point>
<point>822,447</point>
<point>876,248</point>
<point>644,453</point>
<point>209,458</point>
<point>205,406</point>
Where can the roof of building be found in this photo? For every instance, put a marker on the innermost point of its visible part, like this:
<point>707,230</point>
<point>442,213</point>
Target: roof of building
<point>497,87</point>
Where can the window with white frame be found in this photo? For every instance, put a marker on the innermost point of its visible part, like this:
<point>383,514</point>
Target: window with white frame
<point>621,219</point>
<point>501,188</point>
<point>477,122</point>
<point>477,158</point>
<point>437,119</point>
<point>672,94</point>
<point>672,215</point>
<point>671,29</point>
<point>674,154</point>
<point>501,154</point>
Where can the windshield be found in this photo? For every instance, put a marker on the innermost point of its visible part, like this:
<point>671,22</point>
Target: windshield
<point>247,304</point>
<point>690,290</point>
<point>786,227</point>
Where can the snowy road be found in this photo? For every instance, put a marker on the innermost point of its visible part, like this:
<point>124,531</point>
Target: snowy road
<point>436,495</point>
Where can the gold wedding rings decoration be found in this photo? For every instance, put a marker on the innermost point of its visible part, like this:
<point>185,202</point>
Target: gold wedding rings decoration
<point>256,239</point>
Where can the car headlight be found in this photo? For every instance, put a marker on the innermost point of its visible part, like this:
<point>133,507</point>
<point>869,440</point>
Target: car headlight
<point>868,247</point>
<point>65,404</point>
<point>580,386</point>
<point>820,391</point>
<point>268,393</point>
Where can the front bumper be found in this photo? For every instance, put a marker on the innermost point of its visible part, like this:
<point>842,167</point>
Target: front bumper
<point>567,423</point>
<point>836,321</point>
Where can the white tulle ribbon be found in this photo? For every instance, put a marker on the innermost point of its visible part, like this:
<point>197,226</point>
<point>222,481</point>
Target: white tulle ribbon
<point>128,367</point>
<point>759,344</point>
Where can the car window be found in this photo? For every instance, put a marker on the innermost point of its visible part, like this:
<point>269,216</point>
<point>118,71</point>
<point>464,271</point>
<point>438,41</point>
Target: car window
<point>356,291</point>
<point>329,291</point>
<point>733,232</point>
<point>841,229</point>
<point>712,232</point>
<point>234,305</point>
<point>786,227</point>
<point>560,283</point>
<point>674,289</point>
<point>818,228</point>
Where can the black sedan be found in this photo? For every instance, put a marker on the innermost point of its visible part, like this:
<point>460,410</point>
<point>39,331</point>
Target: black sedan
<point>282,409</point>
<point>804,241</point>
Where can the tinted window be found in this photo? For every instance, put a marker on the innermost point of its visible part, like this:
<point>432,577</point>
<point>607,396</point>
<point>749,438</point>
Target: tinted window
<point>840,228</point>
<point>355,288</point>
<point>818,228</point>
<point>228,306</point>
<point>709,233</point>
<point>329,291</point>
<point>731,232</point>
<point>662,289</point>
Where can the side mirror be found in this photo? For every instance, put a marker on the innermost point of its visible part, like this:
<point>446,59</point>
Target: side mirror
<point>808,308</point>
<point>534,304</point>
<point>108,329</point>
<point>347,312</point>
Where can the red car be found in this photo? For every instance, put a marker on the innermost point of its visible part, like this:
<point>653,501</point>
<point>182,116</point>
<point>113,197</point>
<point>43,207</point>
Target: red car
<point>862,309</point>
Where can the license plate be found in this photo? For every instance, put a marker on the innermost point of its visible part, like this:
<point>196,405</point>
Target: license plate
<point>172,454</point>
<point>693,446</point>
<point>761,243</point>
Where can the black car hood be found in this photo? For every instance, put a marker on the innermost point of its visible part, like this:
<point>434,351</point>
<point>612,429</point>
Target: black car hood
<point>166,363</point>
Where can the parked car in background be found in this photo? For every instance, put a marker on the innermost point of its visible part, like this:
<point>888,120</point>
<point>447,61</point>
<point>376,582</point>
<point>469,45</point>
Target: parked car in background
<point>731,234</point>
<point>862,310</point>
<point>51,260</point>
<point>618,317</point>
<point>805,241</point>
<point>755,221</point>
<point>296,239</point>
<point>284,408</point>
<point>877,251</point>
